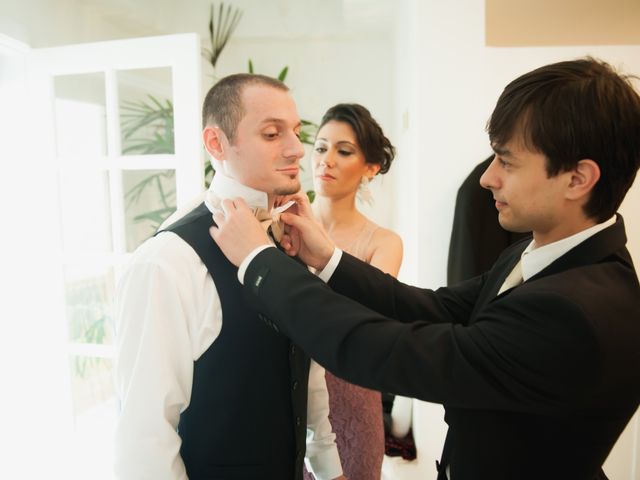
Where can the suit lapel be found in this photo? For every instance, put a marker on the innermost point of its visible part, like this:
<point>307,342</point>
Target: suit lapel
<point>595,249</point>
<point>496,276</point>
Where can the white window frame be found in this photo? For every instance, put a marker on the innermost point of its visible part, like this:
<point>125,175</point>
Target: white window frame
<point>181,53</point>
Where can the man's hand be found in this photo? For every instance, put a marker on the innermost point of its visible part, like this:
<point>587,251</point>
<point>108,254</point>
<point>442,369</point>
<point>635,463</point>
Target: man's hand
<point>304,235</point>
<point>238,232</point>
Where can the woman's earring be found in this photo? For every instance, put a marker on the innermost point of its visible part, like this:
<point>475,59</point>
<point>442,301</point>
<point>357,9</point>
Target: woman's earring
<point>364,192</point>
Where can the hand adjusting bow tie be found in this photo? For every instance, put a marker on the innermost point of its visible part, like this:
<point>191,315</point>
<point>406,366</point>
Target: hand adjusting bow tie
<point>271,219</point>
<point>265,217</point>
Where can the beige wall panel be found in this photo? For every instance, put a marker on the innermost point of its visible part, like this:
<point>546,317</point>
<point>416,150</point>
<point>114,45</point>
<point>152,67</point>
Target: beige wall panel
<point>512,23</point>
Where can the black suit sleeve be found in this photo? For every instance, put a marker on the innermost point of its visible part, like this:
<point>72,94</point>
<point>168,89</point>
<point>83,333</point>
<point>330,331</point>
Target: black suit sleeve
<point>494,363</point>
<point>386,295</point>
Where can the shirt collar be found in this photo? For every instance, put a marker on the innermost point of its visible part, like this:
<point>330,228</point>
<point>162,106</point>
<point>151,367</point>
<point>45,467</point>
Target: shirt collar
<point>534,260</point>
<point>223,187</point>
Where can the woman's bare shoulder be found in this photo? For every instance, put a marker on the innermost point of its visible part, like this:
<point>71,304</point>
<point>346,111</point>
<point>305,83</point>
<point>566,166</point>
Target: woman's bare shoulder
<point>384,236</point>
<point>385,250</point>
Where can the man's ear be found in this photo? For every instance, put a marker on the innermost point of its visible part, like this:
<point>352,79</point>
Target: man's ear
<point>583,178</point>
<point>215,141</point>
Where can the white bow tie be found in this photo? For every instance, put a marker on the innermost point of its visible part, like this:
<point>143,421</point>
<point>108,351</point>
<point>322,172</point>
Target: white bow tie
<point>265,217</point>
<point>272,219</point>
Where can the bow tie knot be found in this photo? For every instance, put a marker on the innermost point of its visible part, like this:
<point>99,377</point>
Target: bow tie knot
<point>270,221</point>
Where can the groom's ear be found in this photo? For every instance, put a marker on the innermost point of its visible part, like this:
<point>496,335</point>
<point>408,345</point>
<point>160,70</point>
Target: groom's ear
<point>215,141</point>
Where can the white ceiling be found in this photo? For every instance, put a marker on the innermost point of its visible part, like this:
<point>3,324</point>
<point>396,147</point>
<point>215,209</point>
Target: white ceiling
<point>42,23</point>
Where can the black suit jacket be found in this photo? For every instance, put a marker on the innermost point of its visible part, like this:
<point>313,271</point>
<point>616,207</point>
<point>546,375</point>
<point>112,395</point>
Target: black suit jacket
<point>537,382</point>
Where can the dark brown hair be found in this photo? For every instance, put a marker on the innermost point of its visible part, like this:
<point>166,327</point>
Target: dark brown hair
<point>575,110</point>
<point>377,148</point>
<point>223,104</point>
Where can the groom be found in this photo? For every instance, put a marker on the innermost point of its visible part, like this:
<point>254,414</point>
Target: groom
<point>206,390</point>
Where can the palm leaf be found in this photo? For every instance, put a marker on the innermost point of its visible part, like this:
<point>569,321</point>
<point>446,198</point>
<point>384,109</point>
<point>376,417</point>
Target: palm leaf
<point>221,26</point>
<point>156,118</point>
<point>311,195</point>
<point>155,216</point>
<point>283,74</point>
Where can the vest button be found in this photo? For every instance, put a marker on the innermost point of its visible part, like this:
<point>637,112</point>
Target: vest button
<point>293,349</point>
<point>295,385</point>
<point>298,421</point>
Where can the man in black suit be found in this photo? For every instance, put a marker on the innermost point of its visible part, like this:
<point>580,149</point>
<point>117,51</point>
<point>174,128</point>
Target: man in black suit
<point>535,361</point>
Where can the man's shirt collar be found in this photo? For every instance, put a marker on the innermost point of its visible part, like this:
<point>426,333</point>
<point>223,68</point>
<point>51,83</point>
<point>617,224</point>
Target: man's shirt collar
<point>223,187</point>
<point>534,260</point>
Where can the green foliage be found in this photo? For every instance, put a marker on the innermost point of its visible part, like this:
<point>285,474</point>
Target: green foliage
<point>209,172</point>
<point>308,131</point>
<point>89,318</point>
<point>221,27</point>
<point>166,197</point>
<point>311,195</point>
<point>283,74</point>
<point>147,126</point>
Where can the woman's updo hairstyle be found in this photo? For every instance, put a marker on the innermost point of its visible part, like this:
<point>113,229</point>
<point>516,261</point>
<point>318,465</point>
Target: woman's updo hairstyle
<point>375,146</point>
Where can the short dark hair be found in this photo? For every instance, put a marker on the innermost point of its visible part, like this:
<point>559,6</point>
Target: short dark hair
<point>575,110</point>
<point>223,104</point>
<point>377,148</point>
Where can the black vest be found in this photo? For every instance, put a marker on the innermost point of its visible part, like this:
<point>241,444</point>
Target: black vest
<point>247,415</point>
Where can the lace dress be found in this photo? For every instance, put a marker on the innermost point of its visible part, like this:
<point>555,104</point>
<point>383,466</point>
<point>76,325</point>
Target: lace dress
<point>355,412</point>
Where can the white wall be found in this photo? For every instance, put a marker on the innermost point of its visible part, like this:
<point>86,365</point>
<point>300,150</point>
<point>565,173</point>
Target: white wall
<point>457,81</point>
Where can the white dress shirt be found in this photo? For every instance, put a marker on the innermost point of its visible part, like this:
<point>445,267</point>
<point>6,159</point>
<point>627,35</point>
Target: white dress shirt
<point>168,314</point>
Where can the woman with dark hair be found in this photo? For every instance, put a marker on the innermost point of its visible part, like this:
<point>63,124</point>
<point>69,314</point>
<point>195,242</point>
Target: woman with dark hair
<point>350,150</point>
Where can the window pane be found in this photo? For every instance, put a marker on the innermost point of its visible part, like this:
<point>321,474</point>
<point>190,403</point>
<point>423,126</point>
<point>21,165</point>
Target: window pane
<point>146,111</point>
<point>150,197</point>
<point>95,410</point>
<point>89,295</point>
<point>80,116</point>
<point>86,210</point>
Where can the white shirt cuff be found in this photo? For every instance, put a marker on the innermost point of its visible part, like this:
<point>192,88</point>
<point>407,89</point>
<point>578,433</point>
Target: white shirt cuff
<point>325,465</point>
<point>245,263</point>
<point>326,273</point>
